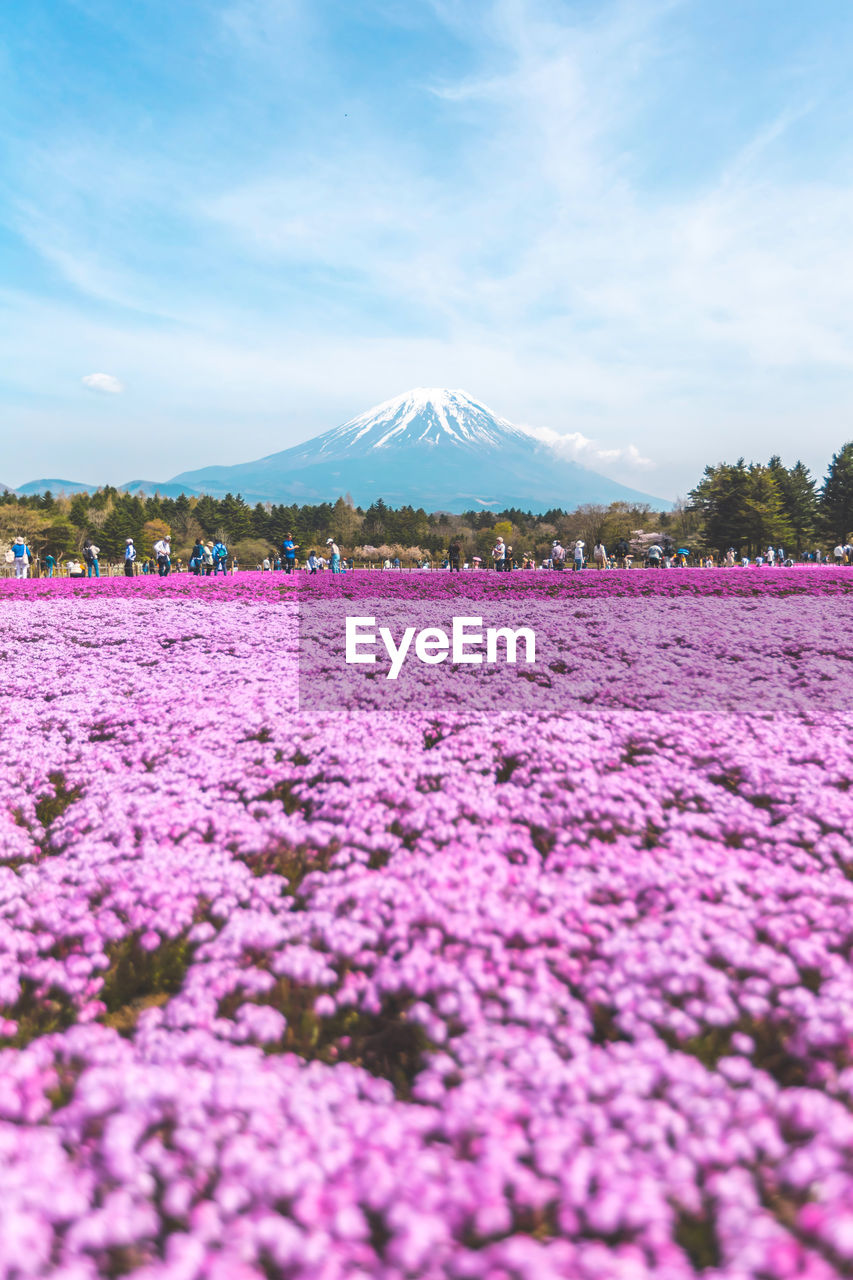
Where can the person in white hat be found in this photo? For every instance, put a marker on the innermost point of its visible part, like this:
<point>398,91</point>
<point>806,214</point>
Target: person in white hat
<point>163,555</point>
<point>129,557</point>
<point>22,556</point>
<point>334,555</point>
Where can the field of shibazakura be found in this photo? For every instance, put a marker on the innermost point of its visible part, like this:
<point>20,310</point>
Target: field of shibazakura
<point>522,973</point>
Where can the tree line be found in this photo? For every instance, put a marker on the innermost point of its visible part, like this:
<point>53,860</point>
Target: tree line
<point>744,505</point>
<point>751,506</point>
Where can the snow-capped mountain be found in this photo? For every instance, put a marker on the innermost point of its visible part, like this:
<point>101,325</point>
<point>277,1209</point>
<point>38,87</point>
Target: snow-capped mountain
<point>430,447</point>
<point>427,417</point>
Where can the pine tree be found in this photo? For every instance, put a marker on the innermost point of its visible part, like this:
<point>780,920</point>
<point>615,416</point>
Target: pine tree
<point>721,498</point>
<point>764,518</point>
<point>836,499</point>
<point>116,529</point>
<point>799,501</point>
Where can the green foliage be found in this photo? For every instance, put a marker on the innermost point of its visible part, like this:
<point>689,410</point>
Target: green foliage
<point>836,500</point>
<point>750,507</point>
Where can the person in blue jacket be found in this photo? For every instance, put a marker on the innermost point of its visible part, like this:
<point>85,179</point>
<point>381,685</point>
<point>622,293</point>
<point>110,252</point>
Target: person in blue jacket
<point>22,556</point>
<point>220,557</point>
<point>289,549</point>
<point>129,557</point>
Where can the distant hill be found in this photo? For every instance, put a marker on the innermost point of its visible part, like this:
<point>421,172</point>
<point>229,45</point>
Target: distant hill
<point>149,487</point>
<point>432,448</point>
<point>167,490</point>
<point>56,487</point>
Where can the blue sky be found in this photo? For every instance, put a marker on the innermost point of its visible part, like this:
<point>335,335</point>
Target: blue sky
<point>627,225</point>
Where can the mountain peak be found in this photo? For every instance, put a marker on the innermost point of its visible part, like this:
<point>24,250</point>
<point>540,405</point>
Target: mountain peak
<point>423,417</point>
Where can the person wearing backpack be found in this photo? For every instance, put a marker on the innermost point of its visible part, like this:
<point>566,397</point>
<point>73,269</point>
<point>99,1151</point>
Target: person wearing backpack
<point>129,557</point>
<point>90,555</point>
<point>197,557</point>
<point>220,557</point>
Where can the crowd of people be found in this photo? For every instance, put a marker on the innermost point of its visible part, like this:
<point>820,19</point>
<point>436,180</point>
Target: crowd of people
<point>212,558</point>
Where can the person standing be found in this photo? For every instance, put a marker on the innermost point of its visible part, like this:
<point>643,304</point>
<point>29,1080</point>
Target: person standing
<point>334,555</point>
<point>163,553</point>
<point>599,555</point>
<point>578,555</point>
<point>654,554</point>
<point>21,556</point>
<point>197,557</point>
<point>558,555</point>
<point>220,557</point>
<point>90,555</point>
<point>499,555</point>
<point>50,564</point>
<point>313,562</point>
<point>454,555</point>
<point>129,557</point>
<point>289,549</point>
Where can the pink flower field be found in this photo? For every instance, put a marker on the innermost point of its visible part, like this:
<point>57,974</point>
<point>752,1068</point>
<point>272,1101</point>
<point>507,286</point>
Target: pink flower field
<point>514,974</point>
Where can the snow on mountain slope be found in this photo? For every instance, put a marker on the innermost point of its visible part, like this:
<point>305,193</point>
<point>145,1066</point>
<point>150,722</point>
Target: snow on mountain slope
<point>429,447</point>
<point>424,416</point>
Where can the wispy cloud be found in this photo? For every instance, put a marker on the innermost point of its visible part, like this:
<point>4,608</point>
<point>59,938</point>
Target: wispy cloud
<point>103,383</point>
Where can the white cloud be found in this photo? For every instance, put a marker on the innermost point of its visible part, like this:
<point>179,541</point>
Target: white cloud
<point>103,382</point>
<point>576,447</point>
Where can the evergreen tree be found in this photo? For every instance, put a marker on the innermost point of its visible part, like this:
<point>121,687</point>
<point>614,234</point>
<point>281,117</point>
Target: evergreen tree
<point>799,501</point>
<point>836,499</point>
<point>261,522</point>
<point>235,517</point>
<point>79,513</point>
<point>720,498</point>
<point>207,514</point>
<point>764,519</point>
<point>116,529</point>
